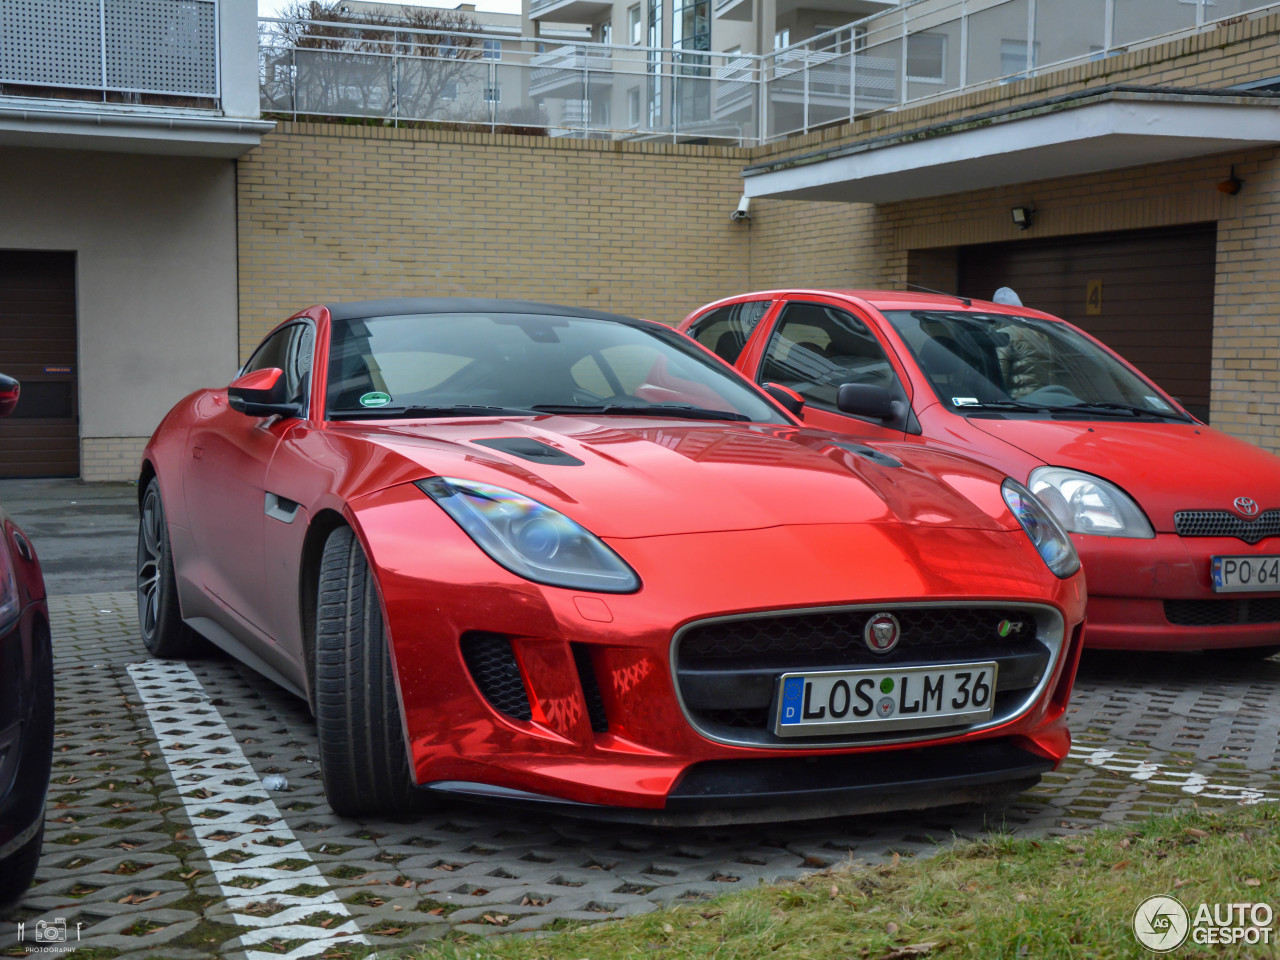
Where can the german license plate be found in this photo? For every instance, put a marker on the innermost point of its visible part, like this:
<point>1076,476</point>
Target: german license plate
<point>884,698</point>
<point>1246,574</point>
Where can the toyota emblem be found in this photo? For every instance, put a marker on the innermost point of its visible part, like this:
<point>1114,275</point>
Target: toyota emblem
<point>882,633</point>
<point>1246,506</point>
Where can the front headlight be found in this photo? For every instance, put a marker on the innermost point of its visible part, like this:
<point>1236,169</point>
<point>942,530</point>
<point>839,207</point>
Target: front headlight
<point>1050,540</point>
<point>529,538</point>
<point>1083,503</point>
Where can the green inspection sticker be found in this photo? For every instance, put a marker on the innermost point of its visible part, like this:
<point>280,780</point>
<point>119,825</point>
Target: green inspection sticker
<point>886,685</point>
<point>375,399</point>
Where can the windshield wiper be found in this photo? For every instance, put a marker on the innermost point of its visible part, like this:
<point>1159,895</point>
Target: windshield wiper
<point>1101,407</point>
<point>681,411</point>
<point>451,410</point>
<point>1130,408</point>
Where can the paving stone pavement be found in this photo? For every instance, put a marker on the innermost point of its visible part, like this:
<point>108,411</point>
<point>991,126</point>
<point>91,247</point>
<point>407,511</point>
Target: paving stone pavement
<point>280,875</point>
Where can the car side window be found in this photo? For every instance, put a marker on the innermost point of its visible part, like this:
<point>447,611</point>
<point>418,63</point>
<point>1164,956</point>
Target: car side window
<point>290,349</point>
<point>816,348</point>
<point>725,331</point>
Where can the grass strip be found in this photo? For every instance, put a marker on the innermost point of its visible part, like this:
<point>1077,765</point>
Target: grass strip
<point>998,897</point>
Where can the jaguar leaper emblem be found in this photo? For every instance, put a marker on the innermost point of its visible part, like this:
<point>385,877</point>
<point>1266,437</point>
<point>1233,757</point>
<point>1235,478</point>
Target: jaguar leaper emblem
<point>881,633</point>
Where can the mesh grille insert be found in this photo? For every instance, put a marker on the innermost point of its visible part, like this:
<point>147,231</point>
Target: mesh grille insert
<point>493,667</point>
<point>1221,523</point>
<point>590,687</point>
<point>1217,613</point>
<point>836,637</point>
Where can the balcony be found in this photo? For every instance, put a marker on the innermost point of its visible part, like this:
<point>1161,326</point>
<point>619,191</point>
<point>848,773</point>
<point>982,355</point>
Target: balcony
<point>563,71</point>
<point>569,11</point>
<point>161,76</point>
<point>740,10</point>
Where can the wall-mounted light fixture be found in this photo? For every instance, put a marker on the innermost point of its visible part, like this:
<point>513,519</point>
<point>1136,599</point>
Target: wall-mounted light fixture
<point>1022,217</point>
<point>1231,186</point>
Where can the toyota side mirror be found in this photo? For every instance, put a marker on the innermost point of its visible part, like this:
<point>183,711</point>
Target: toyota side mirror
<point>262,393</point>
<point>791,401</point>
<point>9,390</point>
<point>867,400</point>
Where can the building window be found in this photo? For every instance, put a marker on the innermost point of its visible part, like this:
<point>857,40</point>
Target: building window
<point>493,94</point>
<point>492,50</point>
<point>782,39</point>
<point>927,57</point>
<point>842,38</point>
<point>1014,57</point>
<point>634,31</point>
<point>606,32</point>
<point>449,47</point>
<point>633,107</point>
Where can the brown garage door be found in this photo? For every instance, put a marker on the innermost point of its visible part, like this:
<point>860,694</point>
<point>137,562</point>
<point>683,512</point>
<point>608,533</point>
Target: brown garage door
<point>38,346</point>
<point>1146,294</point>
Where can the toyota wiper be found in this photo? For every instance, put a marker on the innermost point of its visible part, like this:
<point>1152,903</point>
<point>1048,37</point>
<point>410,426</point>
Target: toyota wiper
<point>1129,408</point>
<point>681,411</point>
<point>411,412</point>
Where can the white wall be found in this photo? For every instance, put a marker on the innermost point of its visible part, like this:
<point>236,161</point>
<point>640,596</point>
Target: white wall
<point>155,239</point>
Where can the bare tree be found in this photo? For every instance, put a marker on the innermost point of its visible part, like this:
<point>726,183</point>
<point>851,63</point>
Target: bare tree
<point>418,63</point>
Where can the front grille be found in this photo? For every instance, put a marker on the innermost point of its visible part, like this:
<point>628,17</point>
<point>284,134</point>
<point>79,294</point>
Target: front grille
<point>836,637</point>
<point>1221,523</point>
<point>493,667</point>
<point>1218,613</point>
<point>727,671</point>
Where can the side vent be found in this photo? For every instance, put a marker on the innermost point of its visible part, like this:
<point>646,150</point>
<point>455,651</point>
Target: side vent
<point>493,667</point>
<point>590,687</point>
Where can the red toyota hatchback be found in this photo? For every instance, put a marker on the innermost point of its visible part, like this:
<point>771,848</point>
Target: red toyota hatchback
<point>1177,524</point>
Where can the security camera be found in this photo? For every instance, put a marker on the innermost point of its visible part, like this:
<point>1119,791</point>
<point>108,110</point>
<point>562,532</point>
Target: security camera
<point>742,213</point>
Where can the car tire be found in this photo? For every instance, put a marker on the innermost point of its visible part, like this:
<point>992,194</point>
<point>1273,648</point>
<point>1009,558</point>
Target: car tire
<point>18,870</point>
<point>363,759</point>
<point>159,616</point>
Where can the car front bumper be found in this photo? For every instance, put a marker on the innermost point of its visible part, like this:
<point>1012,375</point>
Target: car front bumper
<point>628,744</point>
<point>1157,595</point>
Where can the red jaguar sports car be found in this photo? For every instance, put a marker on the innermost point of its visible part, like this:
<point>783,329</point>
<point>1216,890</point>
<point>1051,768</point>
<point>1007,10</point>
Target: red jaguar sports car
<point>1176,523</point>
<point>518,552</point>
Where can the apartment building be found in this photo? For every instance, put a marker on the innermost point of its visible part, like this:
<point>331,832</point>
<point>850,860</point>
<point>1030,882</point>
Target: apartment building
<point>1115,161</point>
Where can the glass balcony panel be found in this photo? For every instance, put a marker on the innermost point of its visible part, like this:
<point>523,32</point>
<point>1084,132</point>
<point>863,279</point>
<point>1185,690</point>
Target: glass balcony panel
<point>1068,29</point>
<point>1141,19</point>
<point>878,76</point>
<point>331,83</point>
<point>998,43</point>
<point>933,60</point>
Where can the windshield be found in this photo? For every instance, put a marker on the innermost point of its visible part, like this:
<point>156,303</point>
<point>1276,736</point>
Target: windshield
<point>980,362</point>
<point>482,364</point>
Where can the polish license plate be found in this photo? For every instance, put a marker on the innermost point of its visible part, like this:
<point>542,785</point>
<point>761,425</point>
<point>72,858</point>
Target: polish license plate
<point>1246,574</point>
<point>884,698</point>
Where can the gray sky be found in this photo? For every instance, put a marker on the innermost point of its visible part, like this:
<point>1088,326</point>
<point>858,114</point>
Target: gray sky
<point>271,8</point>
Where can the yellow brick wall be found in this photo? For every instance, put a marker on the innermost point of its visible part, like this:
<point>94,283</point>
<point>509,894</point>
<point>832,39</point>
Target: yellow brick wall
<point>334,212</point>
<point>110,458</point>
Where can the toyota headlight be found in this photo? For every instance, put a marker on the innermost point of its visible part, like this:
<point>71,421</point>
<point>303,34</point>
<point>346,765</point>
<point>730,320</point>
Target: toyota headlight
<point>1083,503</point>
<point>1050,540</point>
<point>529,538</point>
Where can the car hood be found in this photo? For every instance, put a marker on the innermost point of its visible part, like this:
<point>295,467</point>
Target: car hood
<point>1166,467</point>
<point>641,477</point>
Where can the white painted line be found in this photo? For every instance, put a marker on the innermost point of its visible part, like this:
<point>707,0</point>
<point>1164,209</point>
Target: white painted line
<point>1188,781</point>
<point>231,811</point>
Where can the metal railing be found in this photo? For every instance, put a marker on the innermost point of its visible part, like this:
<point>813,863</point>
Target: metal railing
<point>922,50</point>
<point>163,48</point>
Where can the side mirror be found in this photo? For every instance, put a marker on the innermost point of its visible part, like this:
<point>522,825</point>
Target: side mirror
<point>9,390</point>
<point>262,393</point>
<point>867,400</point>
<point>791,401</point>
